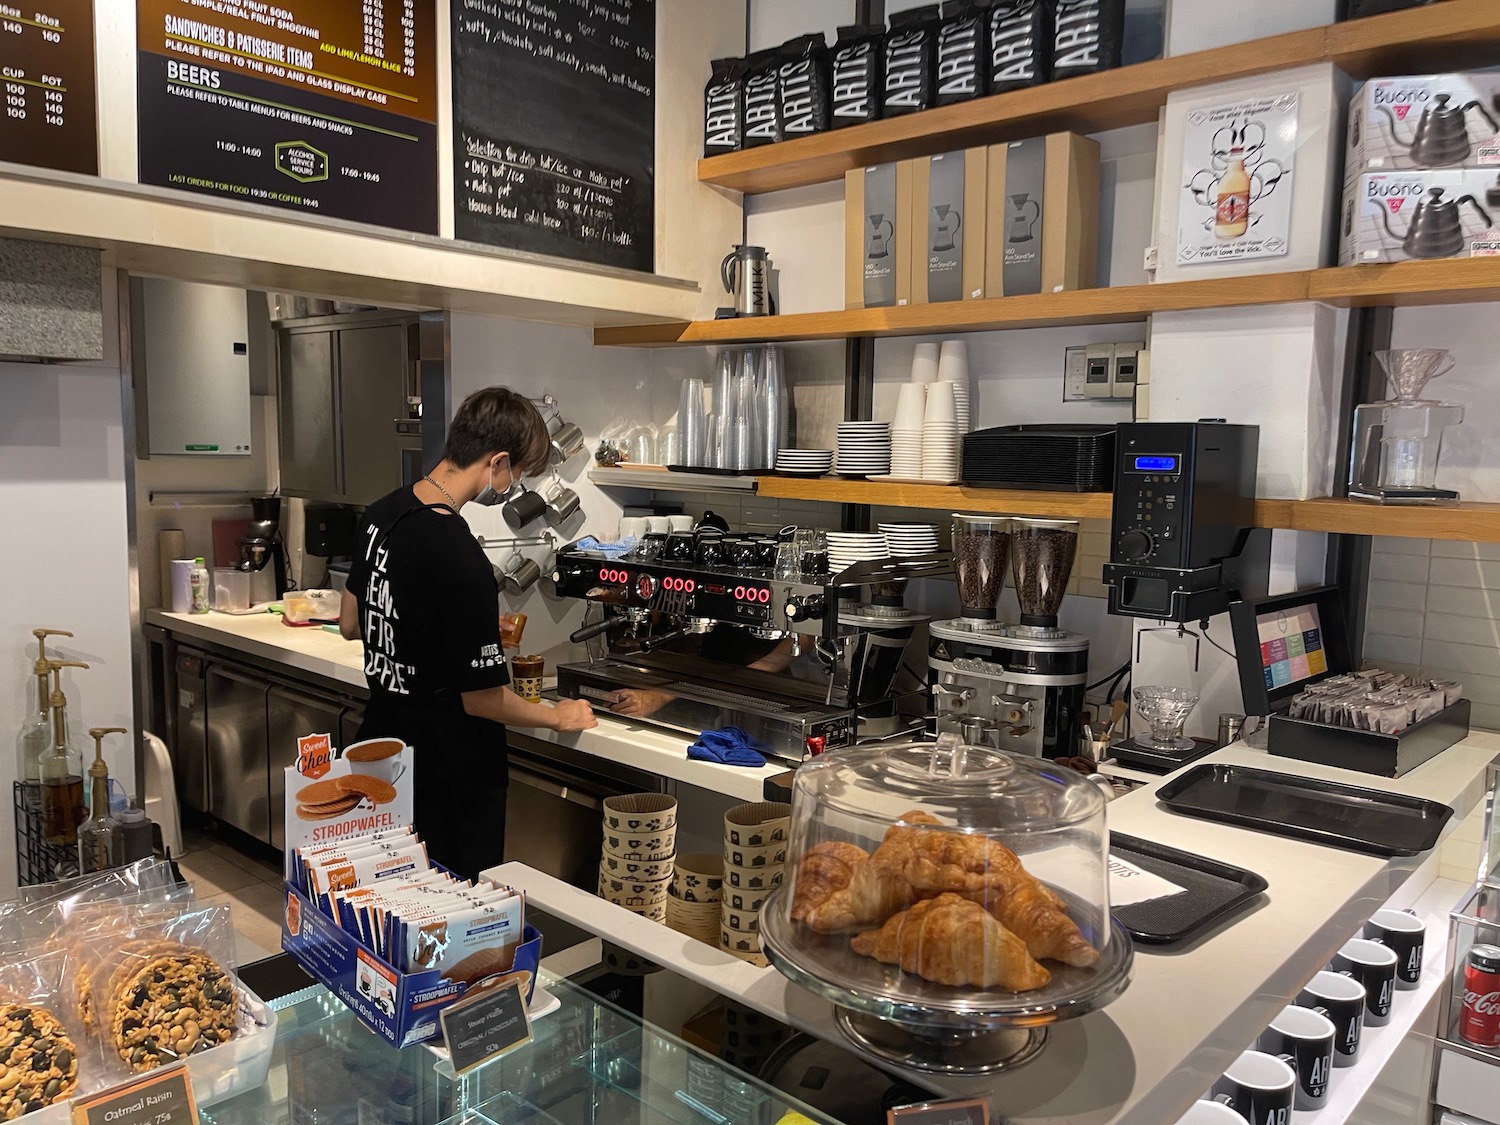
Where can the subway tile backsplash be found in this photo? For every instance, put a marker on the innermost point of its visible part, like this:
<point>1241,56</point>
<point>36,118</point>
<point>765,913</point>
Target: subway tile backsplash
<point>1434,610</point>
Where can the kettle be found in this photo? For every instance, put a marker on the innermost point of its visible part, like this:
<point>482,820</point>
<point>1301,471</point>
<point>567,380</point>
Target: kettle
<point>1442,132</point>
<point>746,274</point>
<point>1022,228</point>
<point>1437,226</point>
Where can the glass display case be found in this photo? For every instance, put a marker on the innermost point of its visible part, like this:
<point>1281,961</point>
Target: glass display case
<point>588,1063</point>
<point>1470,1017</point>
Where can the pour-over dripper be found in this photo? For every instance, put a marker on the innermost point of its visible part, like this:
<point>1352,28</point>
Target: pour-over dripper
<point>1165,709</point>
<point>1409,370</point>
<point>1041,559</point>
<point>981,547</point>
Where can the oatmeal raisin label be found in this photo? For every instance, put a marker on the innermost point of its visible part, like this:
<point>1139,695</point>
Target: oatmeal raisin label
<point>165,1098</point>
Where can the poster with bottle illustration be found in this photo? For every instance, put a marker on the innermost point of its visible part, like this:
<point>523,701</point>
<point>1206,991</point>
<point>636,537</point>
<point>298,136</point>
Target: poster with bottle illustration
<point>1236,193</point>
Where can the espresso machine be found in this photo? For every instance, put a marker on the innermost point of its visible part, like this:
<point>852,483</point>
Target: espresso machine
<point>262,552</point>
<point>712,629</point>
<point>1018,687</point>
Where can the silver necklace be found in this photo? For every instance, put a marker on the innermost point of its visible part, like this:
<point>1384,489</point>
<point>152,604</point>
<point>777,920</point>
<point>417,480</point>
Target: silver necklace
<point>451,502</point>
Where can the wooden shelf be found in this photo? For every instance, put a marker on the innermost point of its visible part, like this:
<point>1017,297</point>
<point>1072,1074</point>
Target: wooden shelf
<point>940,497</point>
<point>1473,522</point>
<point>1447,36</point>
<point>1449,281</point>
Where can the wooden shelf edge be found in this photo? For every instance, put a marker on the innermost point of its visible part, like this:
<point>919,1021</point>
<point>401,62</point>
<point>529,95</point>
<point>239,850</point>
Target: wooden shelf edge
<point>1474,521</point>
<point>1129,95</point>
<point>939,497</point>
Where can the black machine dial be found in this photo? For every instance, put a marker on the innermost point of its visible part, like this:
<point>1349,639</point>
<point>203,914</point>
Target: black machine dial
<point>804,607</point>
<point>1136,544</point>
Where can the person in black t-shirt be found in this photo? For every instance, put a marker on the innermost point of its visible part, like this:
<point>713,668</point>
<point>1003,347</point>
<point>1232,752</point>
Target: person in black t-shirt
<point>426,604</point>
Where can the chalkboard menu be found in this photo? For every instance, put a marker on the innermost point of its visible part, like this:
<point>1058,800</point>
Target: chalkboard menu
<point>51,119</point>
<point>554,127</point>
<point>323,107</point>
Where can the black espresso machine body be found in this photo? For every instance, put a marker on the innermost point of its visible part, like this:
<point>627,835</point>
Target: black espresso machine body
<point>1184,510</point>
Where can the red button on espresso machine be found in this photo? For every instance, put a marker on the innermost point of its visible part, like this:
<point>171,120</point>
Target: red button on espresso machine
<point>645,586</point>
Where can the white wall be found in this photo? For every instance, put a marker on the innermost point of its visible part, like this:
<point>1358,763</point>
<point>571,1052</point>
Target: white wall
<point>62,487</point>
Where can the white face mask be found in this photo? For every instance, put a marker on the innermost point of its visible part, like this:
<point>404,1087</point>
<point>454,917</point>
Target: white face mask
<point>489,497</point>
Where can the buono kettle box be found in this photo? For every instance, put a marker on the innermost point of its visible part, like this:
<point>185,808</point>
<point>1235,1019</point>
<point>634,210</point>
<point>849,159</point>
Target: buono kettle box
<point>1042,232</point>
<point>949,213</point>
<point>1397,216</point>
<point>878,235</point>
<point>1424,121</point>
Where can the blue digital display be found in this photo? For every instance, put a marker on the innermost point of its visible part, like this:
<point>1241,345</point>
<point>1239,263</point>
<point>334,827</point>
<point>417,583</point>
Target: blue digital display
<point>1156,464</point>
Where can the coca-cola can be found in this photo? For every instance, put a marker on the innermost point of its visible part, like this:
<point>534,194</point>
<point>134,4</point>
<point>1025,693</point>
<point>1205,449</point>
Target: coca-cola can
<point>1479,1021</point>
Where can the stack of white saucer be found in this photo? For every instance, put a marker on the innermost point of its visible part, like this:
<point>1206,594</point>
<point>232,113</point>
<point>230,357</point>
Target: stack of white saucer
<point>845,548</point>
<point>804,462</point>
<point>910,538</point>
<point>864,449</point>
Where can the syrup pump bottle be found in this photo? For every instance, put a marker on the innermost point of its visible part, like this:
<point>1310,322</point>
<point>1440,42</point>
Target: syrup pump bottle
<point>101,838</point>
<point>61,769</point>
<point>35,737</point>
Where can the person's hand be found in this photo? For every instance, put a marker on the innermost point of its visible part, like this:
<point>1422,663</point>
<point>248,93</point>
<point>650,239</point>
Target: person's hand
<point>572,715</point>
<point>631,702</point>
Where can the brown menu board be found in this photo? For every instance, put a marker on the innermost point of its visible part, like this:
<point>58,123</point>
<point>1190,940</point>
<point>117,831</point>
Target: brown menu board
<point>51,119</point>
<point>554,127</point>
<point>325,107</point>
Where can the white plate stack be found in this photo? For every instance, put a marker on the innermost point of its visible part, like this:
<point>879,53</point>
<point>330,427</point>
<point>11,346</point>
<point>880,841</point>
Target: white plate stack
<point>804,462</point>
<point>845,548</point>
<point>640,838</point>
<point>941,436</point>
<point>910,538</point>
<point>906,430</point>
<point>864,449</point>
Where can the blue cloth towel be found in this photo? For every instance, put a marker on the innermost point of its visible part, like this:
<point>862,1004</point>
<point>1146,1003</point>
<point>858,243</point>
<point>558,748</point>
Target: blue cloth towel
<point>730,746</point>
<point>610,550</point>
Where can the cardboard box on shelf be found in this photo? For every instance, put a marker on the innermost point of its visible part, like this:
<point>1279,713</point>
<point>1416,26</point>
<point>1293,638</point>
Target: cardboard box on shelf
<point>1459,208</point>
<point>1042,231</point>
<point>1424,121</point>
<point>949,213</point>
<point>878,235</point>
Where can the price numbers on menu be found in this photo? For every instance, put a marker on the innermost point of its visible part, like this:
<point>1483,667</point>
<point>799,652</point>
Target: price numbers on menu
<point>41,99</point>
<point>377,33</point>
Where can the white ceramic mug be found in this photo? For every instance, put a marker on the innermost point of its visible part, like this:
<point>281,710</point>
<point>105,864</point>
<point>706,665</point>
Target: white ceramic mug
<point>633,527</point>
<point>680,523</point>
<point>376,757</point>
<point>658,525</point>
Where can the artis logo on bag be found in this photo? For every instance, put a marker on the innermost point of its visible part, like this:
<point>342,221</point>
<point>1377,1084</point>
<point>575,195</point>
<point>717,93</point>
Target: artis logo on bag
<point>908,82</point>
<point>960,59</point>
<point>1077,36</point>
<point>1019,35</point>
<point>799,109</point>
<point>721,108</point>
<point>855,84</point>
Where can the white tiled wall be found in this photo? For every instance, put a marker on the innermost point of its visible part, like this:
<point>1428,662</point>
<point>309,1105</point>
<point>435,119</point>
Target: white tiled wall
<point>1434,609</point>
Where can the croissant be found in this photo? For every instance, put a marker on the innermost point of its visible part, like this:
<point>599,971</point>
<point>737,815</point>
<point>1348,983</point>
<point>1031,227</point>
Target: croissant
<point>821,899</point>
<point>953,941</point>
<point>914,863</point>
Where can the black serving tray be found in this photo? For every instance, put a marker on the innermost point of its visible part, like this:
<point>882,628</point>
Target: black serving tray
<point>1213,889</point>
<point>1305,808</point>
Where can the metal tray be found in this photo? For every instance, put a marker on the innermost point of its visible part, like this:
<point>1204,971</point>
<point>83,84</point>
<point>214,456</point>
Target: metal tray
<point>1305,808</point>
<point>1213,889</point>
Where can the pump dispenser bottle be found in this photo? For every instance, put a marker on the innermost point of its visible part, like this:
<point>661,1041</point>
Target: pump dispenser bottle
<point>101,838</point>
<point>61,769</point>
<point>35,737</point>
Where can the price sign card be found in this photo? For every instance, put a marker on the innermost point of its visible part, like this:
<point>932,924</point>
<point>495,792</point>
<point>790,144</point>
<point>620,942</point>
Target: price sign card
<point>165,1098</point>
<point>486,1027</point>
<point>968,1111</point>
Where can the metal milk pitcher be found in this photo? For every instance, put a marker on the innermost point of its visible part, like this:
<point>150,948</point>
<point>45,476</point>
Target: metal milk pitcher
<point>746,274</point>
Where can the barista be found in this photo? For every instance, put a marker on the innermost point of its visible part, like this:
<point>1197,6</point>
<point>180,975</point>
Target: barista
<point>426,605</point>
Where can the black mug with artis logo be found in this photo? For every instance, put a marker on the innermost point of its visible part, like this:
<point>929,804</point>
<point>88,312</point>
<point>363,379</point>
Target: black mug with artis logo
<point>1342,1000</point>
<point>1259,1088</point>
<point>1404,934</point>
<point>1303,1039</point>
<point>1374,966</point>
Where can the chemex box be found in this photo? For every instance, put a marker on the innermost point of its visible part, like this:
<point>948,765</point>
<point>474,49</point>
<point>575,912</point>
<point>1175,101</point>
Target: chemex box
<point>1398,216</point>
<point>1424,121</point>
<point>1042,232</point>
<point>949,213</point>
<point>878,235</point>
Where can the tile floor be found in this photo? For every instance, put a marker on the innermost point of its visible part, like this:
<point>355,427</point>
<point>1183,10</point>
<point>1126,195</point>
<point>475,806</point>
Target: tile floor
<point>250,886</point>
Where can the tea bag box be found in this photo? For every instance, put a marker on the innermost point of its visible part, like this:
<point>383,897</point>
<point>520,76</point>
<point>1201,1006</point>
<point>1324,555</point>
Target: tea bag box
<point>1424,121</point>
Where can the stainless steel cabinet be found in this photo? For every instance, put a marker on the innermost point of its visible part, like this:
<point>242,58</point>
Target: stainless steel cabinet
<point>307,409</point>
<point>374,376</point>
<point>290,714</point>
<point>189,733</point>
<point>238,785</point>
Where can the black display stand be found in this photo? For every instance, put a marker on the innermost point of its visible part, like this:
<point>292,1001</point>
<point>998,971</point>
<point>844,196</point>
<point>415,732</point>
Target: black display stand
<point>36,860</point>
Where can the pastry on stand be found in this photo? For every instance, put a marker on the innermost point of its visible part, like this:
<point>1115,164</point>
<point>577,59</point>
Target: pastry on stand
<point>951,901</point>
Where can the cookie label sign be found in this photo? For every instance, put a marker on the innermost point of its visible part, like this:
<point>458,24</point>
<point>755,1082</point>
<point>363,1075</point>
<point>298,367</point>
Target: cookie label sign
<point>486,1027</point>
<point>314,754</point>
<point>165,1098</point>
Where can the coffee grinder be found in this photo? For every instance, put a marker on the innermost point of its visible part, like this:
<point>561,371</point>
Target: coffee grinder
<point>1017,687</point>
<point>262,553</point>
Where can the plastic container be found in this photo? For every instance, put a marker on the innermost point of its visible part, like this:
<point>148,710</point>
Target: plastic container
<point>231,590</point>
<point>1011,850</point>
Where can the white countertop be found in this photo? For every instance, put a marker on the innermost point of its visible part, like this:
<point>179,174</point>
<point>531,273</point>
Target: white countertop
<point>329,655</point>
<point>1186,1014</point>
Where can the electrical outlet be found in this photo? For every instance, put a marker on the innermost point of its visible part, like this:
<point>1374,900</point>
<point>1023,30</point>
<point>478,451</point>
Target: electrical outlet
<point>1101,371</point>
<point>1073,374</point>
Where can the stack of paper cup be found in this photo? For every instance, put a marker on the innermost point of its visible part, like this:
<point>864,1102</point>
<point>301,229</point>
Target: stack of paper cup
<point>940,434</point>
<point>754,858</point>
<point>924,363</point>
<point>953,367</point>
<point>640,838</point>
<point>906,430</point>
<point>694,896</point>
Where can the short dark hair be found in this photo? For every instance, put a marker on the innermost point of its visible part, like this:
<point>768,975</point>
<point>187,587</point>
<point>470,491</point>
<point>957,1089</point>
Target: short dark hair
<point>498,420</point>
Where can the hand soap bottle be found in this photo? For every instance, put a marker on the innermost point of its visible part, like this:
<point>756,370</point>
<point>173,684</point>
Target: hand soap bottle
<point>101,838</point>
<point>35,736</point>
<point>61,769</point>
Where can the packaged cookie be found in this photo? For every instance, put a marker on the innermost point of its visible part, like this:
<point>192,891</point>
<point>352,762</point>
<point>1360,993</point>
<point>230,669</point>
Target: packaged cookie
<point>41,1058</point>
